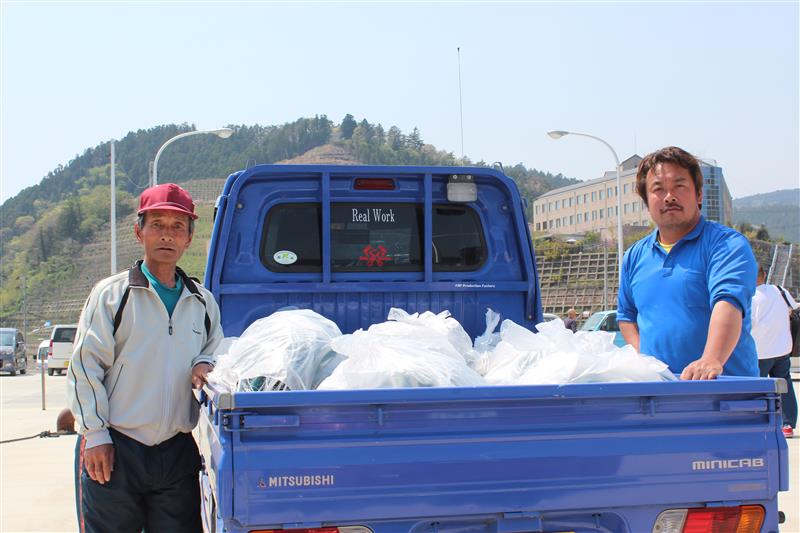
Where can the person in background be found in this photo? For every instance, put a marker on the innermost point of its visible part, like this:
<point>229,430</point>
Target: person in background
<point>774,341</point>
<point>571,321</point>
<point>685,289</point>
<point>145,337</point>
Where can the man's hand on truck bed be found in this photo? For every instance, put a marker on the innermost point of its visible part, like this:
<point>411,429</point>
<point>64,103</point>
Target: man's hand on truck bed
<point>99,462</point>
<point>703,368</point>
<point>200,374</point>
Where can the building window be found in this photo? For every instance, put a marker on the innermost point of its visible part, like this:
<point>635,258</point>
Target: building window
<point>538,226</point>
<point>550,206</point>
<point>578,200</point>
<point>563,203</point>
<point>601,214</point>
<point>625,189</point>
<point>580,218</point>
<point>608,212</point>
<point>558,223</point>
<point>608,192</point>
<point>585,197</point>
<point>571,220</point>
<point>625,209</point>
<point>536,209</point>
<point>616,190</point>
<point>594,195</point>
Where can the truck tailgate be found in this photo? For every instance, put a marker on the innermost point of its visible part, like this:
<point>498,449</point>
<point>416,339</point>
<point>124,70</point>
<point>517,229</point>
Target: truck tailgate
<point>305,457</point>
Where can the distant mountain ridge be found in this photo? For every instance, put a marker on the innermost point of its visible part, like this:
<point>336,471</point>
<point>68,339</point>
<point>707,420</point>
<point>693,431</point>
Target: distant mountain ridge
<point>778,211</point>
<point>54,235</point>
<point>779,197</point>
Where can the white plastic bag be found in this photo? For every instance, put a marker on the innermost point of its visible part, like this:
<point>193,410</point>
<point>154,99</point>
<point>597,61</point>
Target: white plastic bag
<point>488,339</point>
<point>279,352</point>
<point>486,343</point>
<point>440,330</point>
<point>381,360</point>
<point>556,355</point>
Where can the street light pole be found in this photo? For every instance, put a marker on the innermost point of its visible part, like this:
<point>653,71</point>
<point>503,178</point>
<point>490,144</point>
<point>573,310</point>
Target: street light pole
<point>222,133</point>
<point>113,213</point>
<point>557,135</point>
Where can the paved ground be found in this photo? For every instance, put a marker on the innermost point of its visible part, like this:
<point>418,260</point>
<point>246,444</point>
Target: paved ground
<point>36,484</point>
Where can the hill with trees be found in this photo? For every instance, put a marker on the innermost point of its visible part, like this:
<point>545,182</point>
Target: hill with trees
<point>778,212</point>
<point>52,233</point>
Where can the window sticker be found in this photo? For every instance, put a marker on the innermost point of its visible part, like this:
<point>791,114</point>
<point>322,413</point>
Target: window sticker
<point>374,214</point>
<point>375,256</point>
<point>285,257</point>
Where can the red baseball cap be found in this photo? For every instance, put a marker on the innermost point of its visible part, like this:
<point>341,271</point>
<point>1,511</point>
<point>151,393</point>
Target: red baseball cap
<point>167,197</point>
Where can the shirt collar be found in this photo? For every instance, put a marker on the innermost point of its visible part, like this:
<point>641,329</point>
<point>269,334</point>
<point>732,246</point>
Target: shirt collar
<point>692,235</point>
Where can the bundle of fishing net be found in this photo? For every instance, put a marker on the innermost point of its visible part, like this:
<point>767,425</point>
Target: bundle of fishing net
<point>556,355</point>
<point>288,350</point>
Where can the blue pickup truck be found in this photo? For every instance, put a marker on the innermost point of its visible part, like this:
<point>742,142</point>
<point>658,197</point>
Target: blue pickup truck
<point>350,242</point>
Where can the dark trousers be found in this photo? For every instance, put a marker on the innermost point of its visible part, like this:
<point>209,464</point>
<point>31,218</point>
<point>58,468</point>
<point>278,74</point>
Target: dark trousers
<point>780,367</point>
<point>152,488</point>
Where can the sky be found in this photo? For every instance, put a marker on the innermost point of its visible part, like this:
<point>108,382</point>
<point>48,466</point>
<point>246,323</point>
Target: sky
<point>719,79</point>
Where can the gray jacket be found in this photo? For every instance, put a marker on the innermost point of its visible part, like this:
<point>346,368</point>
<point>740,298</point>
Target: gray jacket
<point>136,378</point>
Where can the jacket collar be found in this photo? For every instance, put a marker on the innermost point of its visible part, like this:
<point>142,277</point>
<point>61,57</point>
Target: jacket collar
<point>136,278</point>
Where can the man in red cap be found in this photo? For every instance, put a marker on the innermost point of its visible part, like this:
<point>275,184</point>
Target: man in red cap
<point>145,337</point>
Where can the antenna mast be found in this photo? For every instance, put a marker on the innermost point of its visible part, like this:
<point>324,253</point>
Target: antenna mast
<point>460,104</point>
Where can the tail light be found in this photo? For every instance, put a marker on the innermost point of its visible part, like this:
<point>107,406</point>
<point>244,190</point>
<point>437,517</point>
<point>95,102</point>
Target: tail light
<point>343,529</point>
<point>374,184</point>
<point>742,519</point>
<point>50,350</point>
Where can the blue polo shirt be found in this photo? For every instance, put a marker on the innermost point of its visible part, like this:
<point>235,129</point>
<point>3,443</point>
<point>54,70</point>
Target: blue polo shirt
<point>670,296</point>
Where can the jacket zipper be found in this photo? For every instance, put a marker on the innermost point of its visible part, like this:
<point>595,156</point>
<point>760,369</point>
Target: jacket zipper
<point>170,325</point>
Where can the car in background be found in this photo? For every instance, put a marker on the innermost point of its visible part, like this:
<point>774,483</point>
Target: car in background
<point>41,354</point>
<point>12,351</point>
<point>60,350</point>
<point>547,317</point>
<point>605,321</point>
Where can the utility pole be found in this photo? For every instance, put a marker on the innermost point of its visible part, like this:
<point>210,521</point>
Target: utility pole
<point>24,304</point>
<point>605,274</point>
<point>113,212</point>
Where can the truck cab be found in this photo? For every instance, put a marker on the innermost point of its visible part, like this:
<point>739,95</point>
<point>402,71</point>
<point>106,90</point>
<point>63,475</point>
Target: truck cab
<point>353,242</point>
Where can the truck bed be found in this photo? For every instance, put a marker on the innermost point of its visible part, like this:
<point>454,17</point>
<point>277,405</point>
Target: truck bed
<point>582,457</point>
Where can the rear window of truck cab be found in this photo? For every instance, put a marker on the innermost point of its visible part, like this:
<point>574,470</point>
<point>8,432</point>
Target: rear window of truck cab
<point>372,237</point>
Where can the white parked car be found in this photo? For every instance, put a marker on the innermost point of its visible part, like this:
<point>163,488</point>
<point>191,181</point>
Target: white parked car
<point>60,351</point>
<point>41,354</point>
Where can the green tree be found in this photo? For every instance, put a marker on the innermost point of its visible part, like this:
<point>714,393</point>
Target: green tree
<point>762,234</point>
<point>348,126</point>
<point>395,138</point>
<point>414,141</point>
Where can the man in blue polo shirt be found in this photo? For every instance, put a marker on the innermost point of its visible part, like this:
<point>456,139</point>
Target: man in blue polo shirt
<point>685,289</point>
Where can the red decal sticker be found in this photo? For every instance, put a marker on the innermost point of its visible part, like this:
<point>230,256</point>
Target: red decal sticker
<point>374,256</point>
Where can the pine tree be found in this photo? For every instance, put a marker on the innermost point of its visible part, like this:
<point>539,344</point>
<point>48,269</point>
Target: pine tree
<point>348,126</point>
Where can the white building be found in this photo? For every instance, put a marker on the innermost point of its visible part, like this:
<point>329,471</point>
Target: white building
<point>592,205</point>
